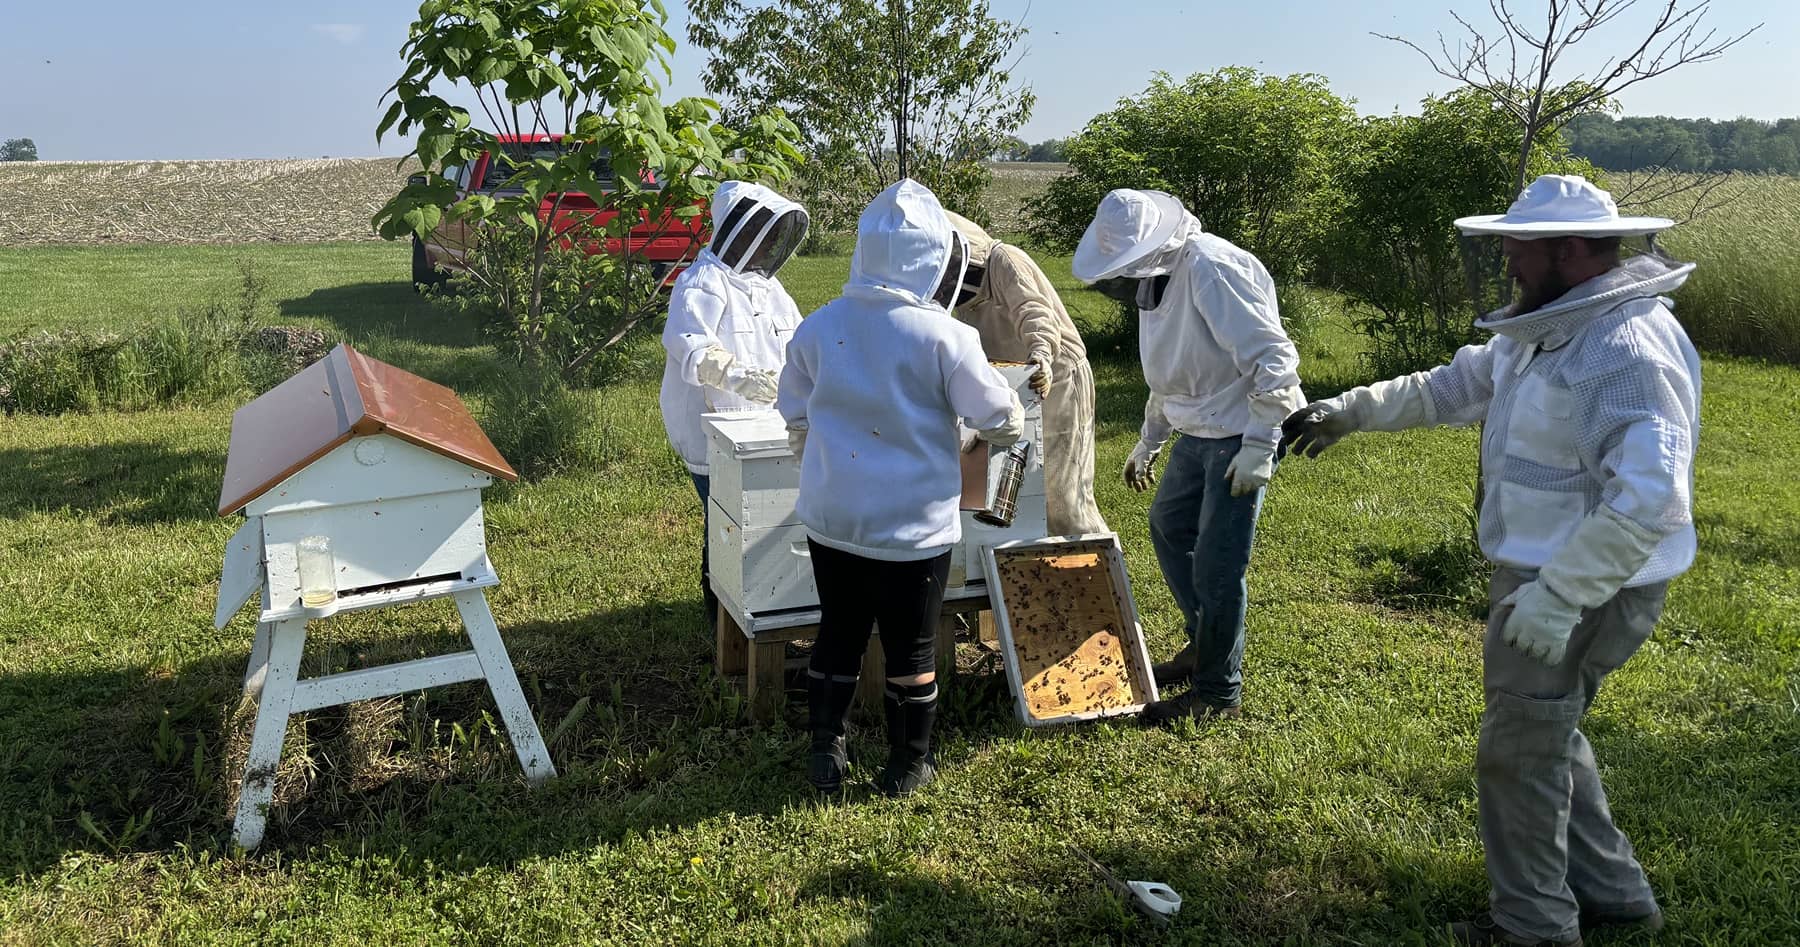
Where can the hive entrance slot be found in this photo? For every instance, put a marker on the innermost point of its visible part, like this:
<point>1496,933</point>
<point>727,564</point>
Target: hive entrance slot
<point>402,584</point>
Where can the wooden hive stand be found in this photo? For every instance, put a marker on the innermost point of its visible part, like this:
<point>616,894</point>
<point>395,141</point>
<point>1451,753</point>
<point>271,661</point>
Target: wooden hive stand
<point>758,657</point>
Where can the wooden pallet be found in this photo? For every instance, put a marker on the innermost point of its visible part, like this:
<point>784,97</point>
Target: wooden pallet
<point>760,661</point>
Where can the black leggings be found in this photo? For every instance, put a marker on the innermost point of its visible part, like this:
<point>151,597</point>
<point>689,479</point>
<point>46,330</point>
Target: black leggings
<point>902,599</point>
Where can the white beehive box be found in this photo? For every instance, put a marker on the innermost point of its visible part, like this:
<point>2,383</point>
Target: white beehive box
<point>757,545</point>
<point>388,468</point>
<point>755,540</point>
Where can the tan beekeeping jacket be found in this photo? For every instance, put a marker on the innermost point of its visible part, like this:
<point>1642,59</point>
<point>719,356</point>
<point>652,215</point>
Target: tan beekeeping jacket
<point>1021,319</point>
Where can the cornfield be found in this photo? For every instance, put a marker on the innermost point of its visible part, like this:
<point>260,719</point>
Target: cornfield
<point>236,201</point>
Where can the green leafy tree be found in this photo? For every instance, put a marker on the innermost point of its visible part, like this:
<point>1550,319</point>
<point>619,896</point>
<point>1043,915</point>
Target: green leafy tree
<point>1249,154</point>
<point>583,70</point>
<point>880,90</point>
<point>1393,250</point>
<point>18,149</point>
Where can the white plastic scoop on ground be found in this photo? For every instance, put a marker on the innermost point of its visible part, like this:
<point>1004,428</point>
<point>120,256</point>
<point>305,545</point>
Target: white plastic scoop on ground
<point>1155,900</point>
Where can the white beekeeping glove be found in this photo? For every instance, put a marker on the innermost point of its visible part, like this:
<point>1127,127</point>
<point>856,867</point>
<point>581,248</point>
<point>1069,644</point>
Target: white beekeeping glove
<point>1254,463</point>
<point>720,369</point>
<point>1041,379</point>
<point>1603,553</point>
<point>1250,468</point>
<point>1140,472</point>
<point>796,438</point>
<point>1010,430</point>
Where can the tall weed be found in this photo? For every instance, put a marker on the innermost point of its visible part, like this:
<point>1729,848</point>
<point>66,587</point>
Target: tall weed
<point>1744,296</point>
<point>196,356</point>
<point>544,427</point>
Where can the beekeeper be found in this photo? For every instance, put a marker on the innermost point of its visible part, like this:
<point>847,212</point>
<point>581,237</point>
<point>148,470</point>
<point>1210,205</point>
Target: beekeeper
<point>1222,372</point>
<point>1010,301</point>
<point>875,385</point>
<point>1590,392</point>
<point>729,325</point>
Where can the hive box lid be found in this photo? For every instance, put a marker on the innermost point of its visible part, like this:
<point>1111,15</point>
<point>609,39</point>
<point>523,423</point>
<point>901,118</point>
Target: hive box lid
<point>343,395</point>
<point>750,433</point>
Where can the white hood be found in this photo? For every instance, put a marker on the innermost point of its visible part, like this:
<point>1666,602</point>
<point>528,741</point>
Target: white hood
<point>716,303</point>
<point>879,379</point>
<point>1132,235</point>
<point>903,246</point>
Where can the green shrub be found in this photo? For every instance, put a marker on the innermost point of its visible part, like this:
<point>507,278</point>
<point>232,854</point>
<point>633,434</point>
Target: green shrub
<point>585,303</point>
<point>1248,154</point>
<point>544,427</point>
<point>1393,247</point>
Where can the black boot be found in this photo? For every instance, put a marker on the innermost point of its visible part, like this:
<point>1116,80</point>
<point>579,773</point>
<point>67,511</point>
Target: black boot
<point>911,711</point>
<point>828,699</point>
<point>1175,671</point>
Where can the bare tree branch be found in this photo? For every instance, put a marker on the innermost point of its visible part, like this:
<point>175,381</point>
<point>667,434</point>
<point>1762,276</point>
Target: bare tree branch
<point>1528,90</point>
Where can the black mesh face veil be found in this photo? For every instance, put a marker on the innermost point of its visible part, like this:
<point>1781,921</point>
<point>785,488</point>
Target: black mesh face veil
<point>751,239</point>
<point>951,281</point>
<point>725,230</point>
<point>1150,291</point>
<point>778,243</point>
<point>737,239</point>
<point>973,277</point>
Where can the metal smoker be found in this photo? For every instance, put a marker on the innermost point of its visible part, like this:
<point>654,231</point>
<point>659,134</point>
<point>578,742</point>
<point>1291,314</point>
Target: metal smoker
<point>1006,493</point>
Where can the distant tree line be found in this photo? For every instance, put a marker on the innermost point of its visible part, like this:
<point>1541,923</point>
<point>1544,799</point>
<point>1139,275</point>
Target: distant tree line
<point>18,149</point>
<point>1050,149</point>
<point>1635,143</point>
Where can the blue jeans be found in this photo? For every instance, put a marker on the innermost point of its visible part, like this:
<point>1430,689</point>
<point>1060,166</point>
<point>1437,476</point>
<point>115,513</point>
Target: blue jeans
<point>1202,536</point>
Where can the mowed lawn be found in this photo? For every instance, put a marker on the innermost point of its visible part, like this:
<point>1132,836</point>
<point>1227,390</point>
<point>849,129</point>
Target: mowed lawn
<point>1339,809</point>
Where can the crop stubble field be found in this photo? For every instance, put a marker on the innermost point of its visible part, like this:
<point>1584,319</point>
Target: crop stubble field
<point>237,201</point>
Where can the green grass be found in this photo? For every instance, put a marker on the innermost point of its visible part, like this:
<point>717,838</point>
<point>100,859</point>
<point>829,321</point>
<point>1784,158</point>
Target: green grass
<point>1340,809</point>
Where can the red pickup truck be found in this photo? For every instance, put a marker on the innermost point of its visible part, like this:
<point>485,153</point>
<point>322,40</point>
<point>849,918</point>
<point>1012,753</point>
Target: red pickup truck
<point>666,243</point>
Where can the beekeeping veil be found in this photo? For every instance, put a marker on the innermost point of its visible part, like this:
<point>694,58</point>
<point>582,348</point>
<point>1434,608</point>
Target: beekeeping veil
<point>755,230</point>
<point>1135,234</point>
<point>1554,205</point>
<point>980,245</point>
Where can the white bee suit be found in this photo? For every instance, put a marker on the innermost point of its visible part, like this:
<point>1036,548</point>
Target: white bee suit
<point>729,318</point>
<point>1022,319</point>
<point>878,380</point>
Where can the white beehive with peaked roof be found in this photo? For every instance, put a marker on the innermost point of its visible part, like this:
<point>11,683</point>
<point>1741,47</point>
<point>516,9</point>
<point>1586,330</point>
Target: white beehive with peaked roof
<point>388,468</point>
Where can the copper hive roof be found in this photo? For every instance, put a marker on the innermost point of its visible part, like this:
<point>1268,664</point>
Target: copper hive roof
<point>343,395</point>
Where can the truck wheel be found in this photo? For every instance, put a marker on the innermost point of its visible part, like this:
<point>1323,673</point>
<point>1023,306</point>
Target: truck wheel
<point>424,274</point>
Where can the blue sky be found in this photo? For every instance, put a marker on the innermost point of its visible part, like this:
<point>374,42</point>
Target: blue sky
<point>247,79</point>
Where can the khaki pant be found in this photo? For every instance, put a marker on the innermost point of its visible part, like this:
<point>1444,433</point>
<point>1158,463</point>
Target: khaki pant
<point>1549,839</point>
<point>1069,452</point>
